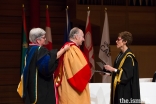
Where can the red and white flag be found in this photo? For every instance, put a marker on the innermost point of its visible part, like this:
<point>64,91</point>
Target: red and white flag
<point>88,45</point>
<point>104,53</point>
<point>48,31</point>
<point>49,43</point>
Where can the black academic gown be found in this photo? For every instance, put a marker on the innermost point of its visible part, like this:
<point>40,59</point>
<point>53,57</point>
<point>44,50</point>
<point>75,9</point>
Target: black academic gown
<point>39,83</point>
<point>128,88</point>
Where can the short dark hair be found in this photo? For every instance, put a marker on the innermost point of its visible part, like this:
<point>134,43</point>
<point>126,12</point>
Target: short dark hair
<point>126,36</point>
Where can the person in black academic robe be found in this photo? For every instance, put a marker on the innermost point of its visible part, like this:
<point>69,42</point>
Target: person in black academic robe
<point>154,77</point>
<point>125,86</point>
<point>39,68</point>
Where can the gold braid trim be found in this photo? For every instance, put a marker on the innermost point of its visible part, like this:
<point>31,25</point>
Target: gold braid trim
<point>36,88</point>
<point>36,83</point>
<point>118,80</point>
<point>131,58</point>
<point>58,78</point>
<point>118,76</point>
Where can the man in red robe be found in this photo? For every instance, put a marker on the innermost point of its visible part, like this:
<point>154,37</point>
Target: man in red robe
<point>73,74</point>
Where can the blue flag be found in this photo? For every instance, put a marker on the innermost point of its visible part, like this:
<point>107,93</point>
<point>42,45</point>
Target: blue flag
<point>68,27</point>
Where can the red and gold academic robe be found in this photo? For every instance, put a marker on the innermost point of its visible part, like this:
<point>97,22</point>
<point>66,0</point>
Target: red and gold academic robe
<point>72,77</point>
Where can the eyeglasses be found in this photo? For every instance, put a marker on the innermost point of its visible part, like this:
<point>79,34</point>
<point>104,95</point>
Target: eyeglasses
<point>43,37</point>
<point>118,39</point>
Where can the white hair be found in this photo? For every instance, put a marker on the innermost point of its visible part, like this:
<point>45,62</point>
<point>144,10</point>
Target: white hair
<point>36,33</point>
<point>73,31</point>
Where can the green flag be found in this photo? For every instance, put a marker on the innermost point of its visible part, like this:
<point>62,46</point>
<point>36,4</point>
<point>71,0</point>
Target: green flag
<point>24,40</point>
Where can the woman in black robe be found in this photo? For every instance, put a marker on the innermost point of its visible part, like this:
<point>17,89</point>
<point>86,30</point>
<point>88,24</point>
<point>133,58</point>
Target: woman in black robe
<point>125,86</point>
<point>40,65</point>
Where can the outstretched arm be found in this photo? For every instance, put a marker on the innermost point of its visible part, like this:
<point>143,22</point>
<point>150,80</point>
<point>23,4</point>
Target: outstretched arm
<point>110,68</point>
<point>62,50</point>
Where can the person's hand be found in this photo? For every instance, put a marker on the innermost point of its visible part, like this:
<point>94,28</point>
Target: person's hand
<point>101,73</point>
<point>66,47</point>
<point>108,67</point>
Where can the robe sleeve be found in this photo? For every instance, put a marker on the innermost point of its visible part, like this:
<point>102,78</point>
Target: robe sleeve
<point>127,73</point>
<point>47,61</point>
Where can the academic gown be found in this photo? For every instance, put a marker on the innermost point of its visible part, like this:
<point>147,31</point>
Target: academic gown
<point>72,77</point>
<point>38,76</point>
<point>154,77</point>
<point>127,87</point>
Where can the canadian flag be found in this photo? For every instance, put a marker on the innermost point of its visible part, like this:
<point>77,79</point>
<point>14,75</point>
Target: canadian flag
<point>48,31</point>
<point>88,45</point>
<point>49,43</point>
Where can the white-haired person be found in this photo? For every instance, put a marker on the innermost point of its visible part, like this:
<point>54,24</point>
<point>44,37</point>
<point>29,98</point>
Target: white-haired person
<point>74,73</point>
<point>39,68</point>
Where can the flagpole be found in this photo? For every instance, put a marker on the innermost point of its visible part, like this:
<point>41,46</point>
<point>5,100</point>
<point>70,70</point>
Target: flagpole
<point>103,61</point>
<point>68,26</point>
<point>48,44</point>
<point>24,40</point>
<point>88,9</point>
<point>105,9</point>
<point>104,52</point>
<point>47,6</point>
<point>88,44</point>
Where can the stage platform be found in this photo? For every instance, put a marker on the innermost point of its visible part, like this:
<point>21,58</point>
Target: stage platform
<point>100,92</point>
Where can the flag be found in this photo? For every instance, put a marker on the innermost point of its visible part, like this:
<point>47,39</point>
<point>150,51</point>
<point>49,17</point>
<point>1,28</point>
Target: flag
<point>48,31</point>
<point>88,45</point>
<point>24,39</point>
<point>68,26</point>
<point>104,53</point>
<point>49,43</point>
